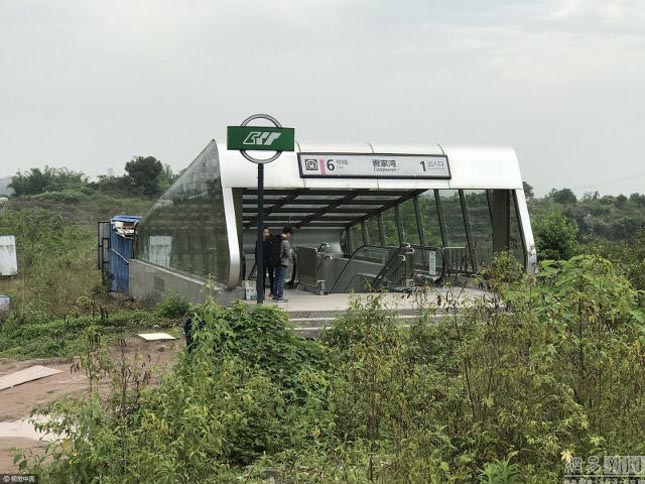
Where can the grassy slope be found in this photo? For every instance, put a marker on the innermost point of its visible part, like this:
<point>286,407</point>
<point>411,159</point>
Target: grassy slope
<point>58,291</point>
<point>82,209</point>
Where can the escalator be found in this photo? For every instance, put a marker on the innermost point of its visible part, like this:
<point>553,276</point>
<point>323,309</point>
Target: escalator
<point>374,268</point>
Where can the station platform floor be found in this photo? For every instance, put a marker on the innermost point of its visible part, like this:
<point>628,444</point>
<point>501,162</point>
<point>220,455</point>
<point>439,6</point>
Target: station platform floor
<point>311,313</point>
<point>300,301</point>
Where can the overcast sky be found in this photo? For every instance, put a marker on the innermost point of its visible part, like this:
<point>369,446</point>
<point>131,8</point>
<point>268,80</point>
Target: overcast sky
<point>88,84</point>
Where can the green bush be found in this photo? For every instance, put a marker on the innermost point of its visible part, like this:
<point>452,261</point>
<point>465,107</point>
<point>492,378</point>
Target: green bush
<point>631,259</point>
<point>555,237</point>
<point>250,388</point>
<point>501,471</point>
<point>173,306</point>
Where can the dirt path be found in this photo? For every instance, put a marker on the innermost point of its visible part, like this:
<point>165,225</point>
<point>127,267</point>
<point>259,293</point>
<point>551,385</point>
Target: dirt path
<point>16,403</point>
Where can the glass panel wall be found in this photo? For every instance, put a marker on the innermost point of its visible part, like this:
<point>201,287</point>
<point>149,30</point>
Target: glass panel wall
<point>188,220</point>
<point>409,222</point>
<point>372,230</point>
<point>481,225</point>
<point>453,217</point>
<point>357,236</point>
<point>468,228</point>
<point>430,219</point>
<point>390,228</point>
<point>457,254</point>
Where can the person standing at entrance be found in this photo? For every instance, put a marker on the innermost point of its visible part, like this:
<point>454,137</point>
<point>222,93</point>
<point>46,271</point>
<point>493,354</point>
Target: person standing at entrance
<point>269,258</point>
<point>283,265</point>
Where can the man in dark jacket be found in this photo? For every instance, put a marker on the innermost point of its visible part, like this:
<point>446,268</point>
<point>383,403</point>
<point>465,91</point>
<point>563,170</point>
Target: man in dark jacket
<point>283,265</point>
<point>269,259</point>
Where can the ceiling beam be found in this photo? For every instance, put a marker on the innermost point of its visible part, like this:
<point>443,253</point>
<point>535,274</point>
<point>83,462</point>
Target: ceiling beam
<point>387,206</point>
<point>277,204</point>
<point>306,210</point>
<point>322,217</point>
<point>310,225</point>
<point>343,201</point>
<point>328,201</point>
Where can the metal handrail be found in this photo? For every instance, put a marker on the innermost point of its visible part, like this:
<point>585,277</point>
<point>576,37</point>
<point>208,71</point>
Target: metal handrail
<point>378,280</point>
<point>351,259</point>
<point>390,260</point>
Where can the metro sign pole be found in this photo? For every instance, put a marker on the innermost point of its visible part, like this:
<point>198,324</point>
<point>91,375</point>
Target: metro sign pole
<point>260,138</point>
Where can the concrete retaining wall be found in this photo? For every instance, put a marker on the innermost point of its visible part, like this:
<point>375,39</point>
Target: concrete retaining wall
<point>150,283</point>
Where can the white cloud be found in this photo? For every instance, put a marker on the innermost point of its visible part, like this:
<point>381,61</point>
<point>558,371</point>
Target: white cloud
<point>619,14</point>
<point>559,81</point>
<point>606,9</point>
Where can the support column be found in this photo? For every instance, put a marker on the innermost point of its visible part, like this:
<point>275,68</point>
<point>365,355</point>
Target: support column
<point>399,224</point>
<point>470,240</point>
<point>500,208</point>
<point>366,233</point>
<point>442,220</point>
<point>417,214</point>
<point>381,230</point>
<point>350,241</point>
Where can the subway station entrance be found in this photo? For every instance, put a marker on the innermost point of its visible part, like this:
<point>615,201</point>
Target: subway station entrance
<point>366,240</point>
<point>365,218</point>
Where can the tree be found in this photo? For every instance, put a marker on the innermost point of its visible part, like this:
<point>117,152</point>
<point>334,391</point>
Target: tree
<point>528,190</point>
<point>563,197</point>
<point>167,177</point>
<point>144,174</point>
<point>555,237</point>
<point>632,258</point>
<point>637,200</point>
<point>621,200</point>
<point>37,181</point>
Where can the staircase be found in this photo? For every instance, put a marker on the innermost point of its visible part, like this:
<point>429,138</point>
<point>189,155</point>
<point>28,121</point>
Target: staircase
<point>310,324</point>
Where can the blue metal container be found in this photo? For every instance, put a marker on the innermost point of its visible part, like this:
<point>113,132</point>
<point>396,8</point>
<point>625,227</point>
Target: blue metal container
<point>121,250</point>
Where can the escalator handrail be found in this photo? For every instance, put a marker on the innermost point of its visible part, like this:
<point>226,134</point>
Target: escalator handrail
<point>378,280</point>
<point>390,260</point>
<point>443,250</point>
<point>351,258</point>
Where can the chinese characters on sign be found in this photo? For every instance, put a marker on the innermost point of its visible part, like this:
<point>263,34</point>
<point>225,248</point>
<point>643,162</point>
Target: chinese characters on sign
<point>18,478</point>
<point>339,165</point>
<point>621,469</point>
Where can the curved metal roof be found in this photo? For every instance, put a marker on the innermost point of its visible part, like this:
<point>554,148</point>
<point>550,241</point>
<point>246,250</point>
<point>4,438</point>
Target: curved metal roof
<point>471,168</point>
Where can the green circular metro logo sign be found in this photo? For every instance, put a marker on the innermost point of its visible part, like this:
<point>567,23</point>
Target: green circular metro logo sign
<point>262,138</point>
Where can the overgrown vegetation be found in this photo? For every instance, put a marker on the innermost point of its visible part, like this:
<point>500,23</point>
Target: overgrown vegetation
<point>606,219</point>
<point>61,337</point>
<point>53,260</point>
<point>58,292</point>
<point>48,179</point>
<point>540,369</point>
<point>544,368</point>
<point>173,306</point>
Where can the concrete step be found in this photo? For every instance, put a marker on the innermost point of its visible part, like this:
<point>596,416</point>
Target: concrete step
<point>310,313</point>
<point>311,327</point>
<point>332,314</point>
